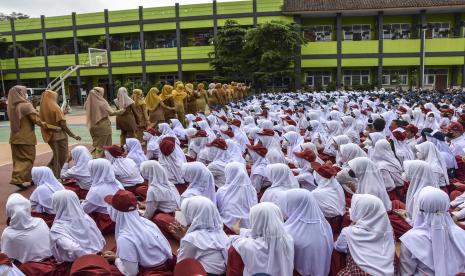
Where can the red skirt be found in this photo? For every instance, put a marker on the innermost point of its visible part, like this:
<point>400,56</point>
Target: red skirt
<point>104,222</point>
<point>138,190</point>
<point>338,262</point>
<point>48,218</point>
<point>460,171</point>
<point>48,267</point>
<point>190,158</point>
<point>336,224</point>
<point>72,186</point>
<point>165,269</point>
<point>163,221</point>
<point>399,225</point>
<point>181,187</point>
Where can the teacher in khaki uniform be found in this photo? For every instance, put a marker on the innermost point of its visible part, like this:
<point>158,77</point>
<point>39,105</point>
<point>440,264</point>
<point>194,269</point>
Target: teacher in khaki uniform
<point>52,114</point>
<point>98,112</point>
<point>23,118</point>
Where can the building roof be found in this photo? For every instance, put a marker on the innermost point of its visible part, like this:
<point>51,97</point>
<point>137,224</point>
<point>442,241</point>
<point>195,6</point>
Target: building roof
<point>302,6</point>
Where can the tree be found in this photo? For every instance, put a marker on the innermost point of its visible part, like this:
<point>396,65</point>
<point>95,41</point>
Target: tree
<point>227,59</point>
<point>15,15</point>
<point>270,49</point>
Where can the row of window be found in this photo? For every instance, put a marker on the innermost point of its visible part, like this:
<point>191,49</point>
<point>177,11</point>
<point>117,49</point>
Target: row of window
<point>363,31</point>
<point>63,46</point>
<point>361,77</point>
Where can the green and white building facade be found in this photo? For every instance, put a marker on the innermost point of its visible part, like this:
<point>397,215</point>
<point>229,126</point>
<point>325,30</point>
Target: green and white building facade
<point>383,43</point>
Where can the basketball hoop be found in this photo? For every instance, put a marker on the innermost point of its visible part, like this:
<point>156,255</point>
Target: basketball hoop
<point>98,57</point>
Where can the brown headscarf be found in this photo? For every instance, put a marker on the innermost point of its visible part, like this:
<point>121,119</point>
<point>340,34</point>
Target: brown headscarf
<point>50,112</point>
<point>96,106</point>
<point>123,99</point>
<point>18,106</point>
<point>138,97</point>
<point>152,100</point>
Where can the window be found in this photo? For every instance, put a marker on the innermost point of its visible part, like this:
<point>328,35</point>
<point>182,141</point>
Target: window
<point>357,32</point>
<point>430,75</point>
<point>439,30</point>
<point>395,77</point>
<point>155,40</point>
<point>86,42</point>
<point>136,82</point>
<point>396,31</point>
<point>318,33</point>
<point>167,79</point>
<point>318,78</point>
<point>356,77</point>
<point>202,38</point>
<point>204,77</point>
<point>279,82</point>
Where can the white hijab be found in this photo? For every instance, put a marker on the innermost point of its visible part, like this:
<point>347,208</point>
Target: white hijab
<point>125,167</point>
<point>420,175</point>
<point>200,181</point>
<point>329,196</point>
<point>178,129</point>
<point>205,225</point>
<point>237,196</point>
<point>281,178</point>
<point>147,240</point>
<point>159,185</point>
<point>348,152</point>
<point>135,151</point>
<point>103,182</point>
<point>80,169</point>
<point>433,157</point>
<point>312,234</point>
<point>370,238</point>
<point>73,224</point>
<point>173,164</point>
<point>24,227</point>
<point>435,239</point>
<point>370,180</point>
<point>294,141</point>
<point>46,184</point>
<point>266,248</point>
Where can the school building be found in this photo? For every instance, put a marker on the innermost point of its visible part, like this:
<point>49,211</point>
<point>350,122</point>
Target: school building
<point>383,43</point>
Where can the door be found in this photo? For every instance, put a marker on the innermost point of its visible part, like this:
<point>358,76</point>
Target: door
<point>440,82</point>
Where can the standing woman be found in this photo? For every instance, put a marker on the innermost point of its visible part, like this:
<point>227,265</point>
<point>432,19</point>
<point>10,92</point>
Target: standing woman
<point>202,99</point>
<point>212,95</point>
<point>98,112</point>
<point>141,113</point>
<point>23,140</point>
<point>167,101</point>
<point>180,102</point>
<point>52,114</point>
<point>154,107</point>
<point>191,107</point>
<point>128,121</point>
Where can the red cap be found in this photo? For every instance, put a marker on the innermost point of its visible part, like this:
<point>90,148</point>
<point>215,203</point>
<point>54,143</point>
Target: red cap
<point>198,119</point>
<point>228,132</point>
<point>399,134</point>
<point>200,133</point>
<point>325,170</point>
<point>291,122</point>
<point>288,111</point>
<point>223,118</point>
<point>235,122</point>
<point>122,200</point>
<point>167,145</point>
<point>218,143</point>
<point>90,265</point>
<point>258,148</point>
<point>264,113</point>
<point>455,126</point>
<point>461,117</point>
<point>189,267</point>
<point>266,132</point>
<point>412,128</point>
<point>114,150</point>
<point>402,110</point>
<point>306,154</point>
<point>152,131</point>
